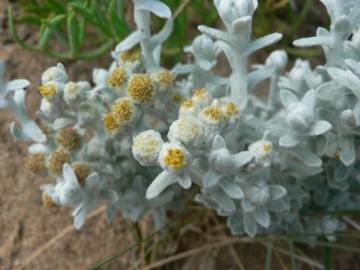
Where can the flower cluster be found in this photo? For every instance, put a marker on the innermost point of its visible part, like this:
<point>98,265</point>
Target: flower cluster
<point>141,136</point>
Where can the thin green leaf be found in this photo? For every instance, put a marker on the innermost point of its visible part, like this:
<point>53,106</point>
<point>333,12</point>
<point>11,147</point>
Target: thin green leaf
<point>73,33</point>
<point>269,255</point>
<point>55,6</point>
<point>14,32</point>
<point>292,255</point>
<point>84,11</point>
<point>327,258</point>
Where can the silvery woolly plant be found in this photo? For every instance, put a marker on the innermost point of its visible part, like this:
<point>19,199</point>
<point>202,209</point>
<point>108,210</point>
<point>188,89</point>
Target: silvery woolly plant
<point>145,139</point>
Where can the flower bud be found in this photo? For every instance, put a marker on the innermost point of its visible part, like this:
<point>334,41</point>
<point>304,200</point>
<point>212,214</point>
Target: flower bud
<point>231,10</point>
<point>188,130</point>
<point>348,118</point>
<point>146,147</point>
<point>56,74</point>
<point>300,117</point>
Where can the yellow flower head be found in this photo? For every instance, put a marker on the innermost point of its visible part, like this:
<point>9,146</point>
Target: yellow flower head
<point>231,110</point>
<point>212,115</point>
<point>123,110</point>
<point>175,158</point>
<point>49,90</point>
<point>131,55</point>
<point>202,97</point>
<point>163,79</point>
<point>110,123</point>
<point>267,147</point>
<point>140,88</point>
<point>117,78</point>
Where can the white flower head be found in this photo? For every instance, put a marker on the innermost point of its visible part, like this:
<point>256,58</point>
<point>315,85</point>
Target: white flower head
<point>262,150</point>
<point>162,80</point>
<point>56,73</point>
<point>188,130</point>
<point>202,97</point>
<point>146,147</point>
<point>189,107</point>
<point>52,91</point>
<point>75,91</point>
<point>174,157</point>
<point>230,109</point>
<point>212,116</point>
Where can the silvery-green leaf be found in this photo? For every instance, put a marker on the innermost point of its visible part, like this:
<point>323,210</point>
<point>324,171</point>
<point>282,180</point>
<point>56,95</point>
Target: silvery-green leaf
<point>184,181</point>
<point>18,133</point>
<point>287,98</point>
<point>218,143</point>
<point>16,85</point>
<point>342,24</point>
<point>347,149</point>
<point>33,131</point>
<point>129,42</point>
<point>278,206</point>
<point>308,157</point>
<point>250,225</point>
<point>38,148</point>
<point>257,76</point>
<point>241,26</point>
<point>231,188</point>
<point>319,128</point>
<point>346,78</point>
<point>157,7</point>
<point>162,36</point>
<point>263,42</point>
<point>277,192</point>
<point>80,216</point>
<point>216,34</point>
<point>159,184</point>
<point>312,41</point>
<point>60,123</point>
<point>183,69</point>
<point>342,172</point>
<point>211,178</point>
<point>225,202</point>
<point>242,158</point>
<point>262,217</point>
<point>69,175</point>
<point>309,98</point>
<point>289,139</point>
<point>247,205</point>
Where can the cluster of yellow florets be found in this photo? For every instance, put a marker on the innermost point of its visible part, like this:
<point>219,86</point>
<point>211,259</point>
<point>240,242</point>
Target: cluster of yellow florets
<point>131,55</point>
<point>123,110</point>
<point>48,90</point>
<point>111,125</point>
<point>117,78</point>
<point>140,88</point>
<point>175,158</point>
